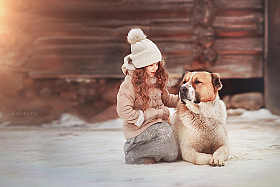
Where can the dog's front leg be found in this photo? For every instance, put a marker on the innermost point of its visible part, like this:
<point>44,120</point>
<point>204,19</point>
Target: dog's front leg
<point>191,155</point>
<point>219,156</point>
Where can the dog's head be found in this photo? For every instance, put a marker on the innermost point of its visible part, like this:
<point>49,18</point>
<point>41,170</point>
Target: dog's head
<point>199,87</point>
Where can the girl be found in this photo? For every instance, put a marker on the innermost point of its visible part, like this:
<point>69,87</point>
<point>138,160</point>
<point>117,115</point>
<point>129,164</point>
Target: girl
<point>142,103</point>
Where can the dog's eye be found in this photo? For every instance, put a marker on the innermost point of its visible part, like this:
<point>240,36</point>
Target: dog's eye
<point>184,82</point>
<point>197,82</point>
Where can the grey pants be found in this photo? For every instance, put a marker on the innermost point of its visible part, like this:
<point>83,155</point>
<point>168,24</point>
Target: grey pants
<point>157,142</point>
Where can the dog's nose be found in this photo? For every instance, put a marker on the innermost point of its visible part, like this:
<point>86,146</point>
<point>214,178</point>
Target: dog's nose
<point>183,89</point>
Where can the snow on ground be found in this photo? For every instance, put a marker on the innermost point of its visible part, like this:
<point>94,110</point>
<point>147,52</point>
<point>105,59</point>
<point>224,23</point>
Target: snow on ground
<point>68,120</point>
<point>257,116</point>
<point>234,116</point>
<point>71,152</point>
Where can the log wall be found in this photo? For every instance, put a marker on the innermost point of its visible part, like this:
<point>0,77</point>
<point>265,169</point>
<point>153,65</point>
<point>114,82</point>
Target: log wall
<point>87,38</point>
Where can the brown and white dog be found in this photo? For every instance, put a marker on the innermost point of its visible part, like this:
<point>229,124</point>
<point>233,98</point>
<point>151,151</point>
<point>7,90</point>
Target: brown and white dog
<point>198,123</point>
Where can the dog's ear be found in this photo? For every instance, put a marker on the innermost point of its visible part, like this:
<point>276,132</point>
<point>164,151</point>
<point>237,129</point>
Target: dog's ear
<point>178,84</point>
<point>185,73</point>
<point>216,81</point>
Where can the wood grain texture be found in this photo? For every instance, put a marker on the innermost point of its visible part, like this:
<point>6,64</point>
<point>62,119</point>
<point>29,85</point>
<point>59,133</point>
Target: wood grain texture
<point>88,37</point>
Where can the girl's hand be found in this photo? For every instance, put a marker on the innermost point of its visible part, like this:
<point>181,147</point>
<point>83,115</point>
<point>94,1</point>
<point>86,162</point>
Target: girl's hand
<point>166,113</point>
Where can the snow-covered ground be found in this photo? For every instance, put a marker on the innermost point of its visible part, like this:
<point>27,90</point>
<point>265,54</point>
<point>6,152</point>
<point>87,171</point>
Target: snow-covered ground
<point>71,152</point>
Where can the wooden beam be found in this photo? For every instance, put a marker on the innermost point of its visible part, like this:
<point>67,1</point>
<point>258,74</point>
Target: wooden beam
<point>272,57</point>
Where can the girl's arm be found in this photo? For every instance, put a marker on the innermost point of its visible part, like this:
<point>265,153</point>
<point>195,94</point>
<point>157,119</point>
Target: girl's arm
<point>125,104</point>
<point>169,100</point>
<point>125,108</point>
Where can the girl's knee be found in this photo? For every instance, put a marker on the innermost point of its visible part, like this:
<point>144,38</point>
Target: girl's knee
<point>166,132</point>
<point>172,156</point>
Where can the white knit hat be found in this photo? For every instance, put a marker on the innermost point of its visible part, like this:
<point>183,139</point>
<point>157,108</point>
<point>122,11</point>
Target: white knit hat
<point>143,51</point>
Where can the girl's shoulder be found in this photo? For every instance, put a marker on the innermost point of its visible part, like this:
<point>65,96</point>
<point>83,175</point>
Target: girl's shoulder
<point>126,84</point>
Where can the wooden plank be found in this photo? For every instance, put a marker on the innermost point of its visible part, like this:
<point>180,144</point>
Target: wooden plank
<point>228,66</point>
<point>222,46</point>
<point>128,10</point>
<point>91,45</point>
<point>238,66</point>
<point>82,49</point>
<point>114,28</point>
<point>240,4</point>
<point>239,46</point>
<point>250,24</point>
<point>85,5</point>
<point>120,9</point>
<point>95,66</point>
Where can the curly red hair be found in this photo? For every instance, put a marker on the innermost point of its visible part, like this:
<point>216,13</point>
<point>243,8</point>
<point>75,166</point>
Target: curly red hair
<point>141,82</point>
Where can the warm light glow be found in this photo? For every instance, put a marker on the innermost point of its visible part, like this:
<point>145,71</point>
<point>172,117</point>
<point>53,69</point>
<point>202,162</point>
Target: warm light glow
<point>3,13</point>
<point>2,7</point>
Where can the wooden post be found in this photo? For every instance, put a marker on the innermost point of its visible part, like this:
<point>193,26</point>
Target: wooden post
<point>272,56</point>
<point>202,18</point>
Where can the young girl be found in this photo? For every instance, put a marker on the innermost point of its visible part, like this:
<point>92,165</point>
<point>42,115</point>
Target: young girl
<point>142,103</point>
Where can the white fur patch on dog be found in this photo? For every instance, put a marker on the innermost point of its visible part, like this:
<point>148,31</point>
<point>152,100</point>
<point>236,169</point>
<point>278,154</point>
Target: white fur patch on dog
<point>191,91</point>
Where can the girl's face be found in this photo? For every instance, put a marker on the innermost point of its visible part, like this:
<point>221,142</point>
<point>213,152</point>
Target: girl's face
<point>151,69</point>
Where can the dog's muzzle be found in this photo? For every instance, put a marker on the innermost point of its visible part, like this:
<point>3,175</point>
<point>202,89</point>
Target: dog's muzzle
<point>187,93</point>
<point>183,94</point>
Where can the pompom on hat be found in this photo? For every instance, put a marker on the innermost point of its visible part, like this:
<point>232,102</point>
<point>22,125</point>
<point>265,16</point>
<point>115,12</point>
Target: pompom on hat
<point>143,51</point>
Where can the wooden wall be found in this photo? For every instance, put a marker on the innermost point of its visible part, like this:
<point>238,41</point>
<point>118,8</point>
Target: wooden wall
<point>87,38</point>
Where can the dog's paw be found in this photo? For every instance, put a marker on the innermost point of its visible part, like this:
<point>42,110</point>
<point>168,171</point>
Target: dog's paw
<point>203,159</point>
<point>217,162</point>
